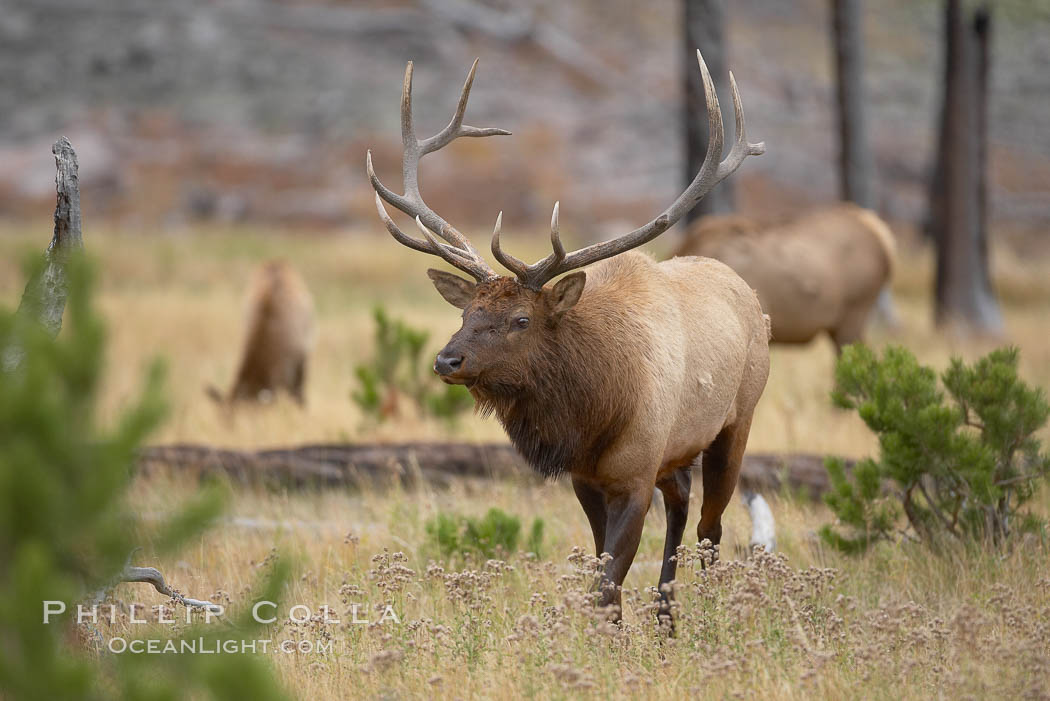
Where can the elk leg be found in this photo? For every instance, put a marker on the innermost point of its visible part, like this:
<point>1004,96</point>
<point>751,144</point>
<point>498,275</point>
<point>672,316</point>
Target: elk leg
<point>675,488</point>
<point>850,329</point>
<point>720,468</point>
<point>298,380</point>
<point>623,529</point>
<point>593,503</point>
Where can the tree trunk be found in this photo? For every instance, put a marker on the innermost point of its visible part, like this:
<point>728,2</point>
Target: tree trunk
<point>44,298</point>
<point>45,294</point>
<point>856,174</point>
<point>982,27</point>
<point>959,218</point>
<point>704,25</point>
<point>932,225</point>
<point>856,166</point>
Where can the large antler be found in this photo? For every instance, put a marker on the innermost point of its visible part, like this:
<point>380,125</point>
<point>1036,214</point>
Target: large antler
<point>458,251</point>
<point>710,174</point>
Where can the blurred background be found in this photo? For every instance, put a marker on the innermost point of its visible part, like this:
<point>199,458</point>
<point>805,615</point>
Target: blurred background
<point>214,134</point>
<point>259,111</point>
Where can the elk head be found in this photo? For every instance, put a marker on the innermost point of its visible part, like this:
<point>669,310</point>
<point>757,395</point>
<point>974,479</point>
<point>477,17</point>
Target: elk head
<point>506,326</point>
<point>509,321</point>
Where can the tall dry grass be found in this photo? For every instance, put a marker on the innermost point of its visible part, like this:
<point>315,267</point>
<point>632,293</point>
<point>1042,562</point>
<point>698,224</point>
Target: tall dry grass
<point>807,623</point>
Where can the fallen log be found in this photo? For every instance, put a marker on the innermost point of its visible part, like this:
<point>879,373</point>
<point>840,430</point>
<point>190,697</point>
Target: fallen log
<point>408,464</point>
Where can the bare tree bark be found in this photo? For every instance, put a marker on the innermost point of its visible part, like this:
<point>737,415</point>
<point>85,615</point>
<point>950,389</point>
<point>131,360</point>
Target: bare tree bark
<point>982,27</point>
<point>704,27</point>
<point>932,225</point>
<point>45,295</point>
<point>856,164</point>
<point>44,298</point>
<point>964,295</point>
<point>856,171</point>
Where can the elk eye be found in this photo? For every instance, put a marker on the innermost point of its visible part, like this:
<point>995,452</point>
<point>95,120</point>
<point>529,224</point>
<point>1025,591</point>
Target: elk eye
<point>522,322</point>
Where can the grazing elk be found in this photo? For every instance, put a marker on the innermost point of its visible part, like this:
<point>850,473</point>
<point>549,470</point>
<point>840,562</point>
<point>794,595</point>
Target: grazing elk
<point>821,271</point>
<point>620,375</point>
<point>278,340</point>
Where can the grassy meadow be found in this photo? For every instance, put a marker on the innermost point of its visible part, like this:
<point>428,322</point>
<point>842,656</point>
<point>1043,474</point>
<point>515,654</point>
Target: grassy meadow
<point>803,623</point>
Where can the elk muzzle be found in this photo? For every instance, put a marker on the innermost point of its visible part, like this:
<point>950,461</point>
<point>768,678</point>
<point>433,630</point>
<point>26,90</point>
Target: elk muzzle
<point>448,365</point>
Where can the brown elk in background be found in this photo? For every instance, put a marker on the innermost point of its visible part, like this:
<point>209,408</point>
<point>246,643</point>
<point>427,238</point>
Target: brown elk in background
<point>821,271</point>
<point>620,375</point>
<point>278,339</point>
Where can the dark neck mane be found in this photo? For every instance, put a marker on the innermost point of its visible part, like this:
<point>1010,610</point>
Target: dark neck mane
<point>572,404</point>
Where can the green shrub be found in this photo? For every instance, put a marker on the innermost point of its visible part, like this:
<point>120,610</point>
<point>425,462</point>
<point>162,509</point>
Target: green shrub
<point>398,373</point>
<point>534,541</point>
<point>957,463</point>
<point>495,535</point>
<point>66,527</point>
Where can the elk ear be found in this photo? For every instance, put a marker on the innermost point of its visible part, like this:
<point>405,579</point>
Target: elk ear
<point>456,291</point>
<point>567,291</point>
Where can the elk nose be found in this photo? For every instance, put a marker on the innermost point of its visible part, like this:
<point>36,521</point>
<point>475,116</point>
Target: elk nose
<point>447,363</point>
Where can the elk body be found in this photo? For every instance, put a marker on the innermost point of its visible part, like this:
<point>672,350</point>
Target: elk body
<point>278,340</point>
<point>818,272</point>
<point>620,375</point>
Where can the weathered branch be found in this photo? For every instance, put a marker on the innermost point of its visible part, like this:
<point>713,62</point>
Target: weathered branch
<point>45,294</point>
<point>152,575</point>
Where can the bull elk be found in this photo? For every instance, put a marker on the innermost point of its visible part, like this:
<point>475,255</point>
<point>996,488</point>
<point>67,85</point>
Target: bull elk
<point>278,339</point>
<point>621,374</point>
<point>818,272</point>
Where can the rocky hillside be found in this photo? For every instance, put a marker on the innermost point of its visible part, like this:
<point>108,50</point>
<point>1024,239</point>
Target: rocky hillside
<point>261,110</point>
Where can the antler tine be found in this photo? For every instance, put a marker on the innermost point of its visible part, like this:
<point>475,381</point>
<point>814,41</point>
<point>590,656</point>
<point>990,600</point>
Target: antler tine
<point>395,231</point>
<point>408,133</point>
<point>710,174</point>
<point>454,256</point>
<point>464,260</point>
<point>382,190</point>
<point>455,127</point>
<point>519,268</point>
<point>458,251</point>
<point>741,148</point>
<point>559,250</point>
<point>528,274</point>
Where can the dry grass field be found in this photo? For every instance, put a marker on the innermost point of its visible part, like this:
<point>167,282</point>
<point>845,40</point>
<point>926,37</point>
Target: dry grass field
<point>804,623</point>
